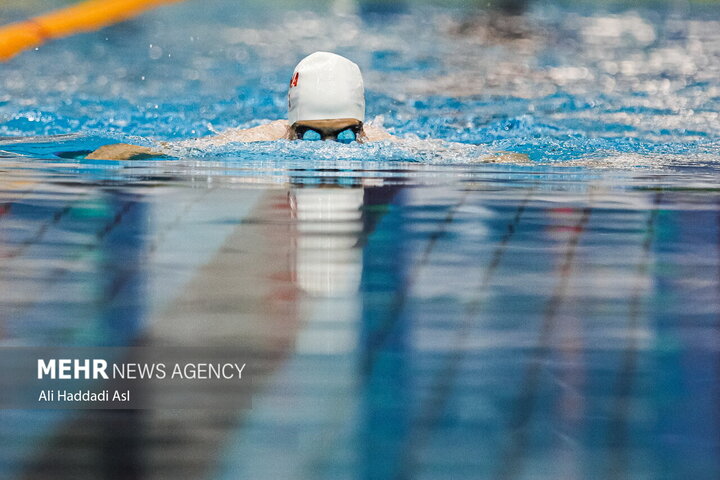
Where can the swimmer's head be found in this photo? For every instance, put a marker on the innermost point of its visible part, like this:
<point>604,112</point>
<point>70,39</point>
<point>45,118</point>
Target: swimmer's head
<point>326,88</point>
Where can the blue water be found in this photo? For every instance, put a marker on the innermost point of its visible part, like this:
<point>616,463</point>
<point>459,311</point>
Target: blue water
<point>413,311</point>
<point>559,84</point>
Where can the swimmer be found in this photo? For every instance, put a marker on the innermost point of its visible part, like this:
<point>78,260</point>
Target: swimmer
<point>326,101</point>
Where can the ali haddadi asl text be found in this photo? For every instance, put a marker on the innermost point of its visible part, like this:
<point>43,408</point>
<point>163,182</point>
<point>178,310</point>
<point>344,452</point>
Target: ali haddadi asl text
<point>86,396</point>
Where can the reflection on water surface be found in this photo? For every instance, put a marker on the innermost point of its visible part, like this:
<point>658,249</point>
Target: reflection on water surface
<point>407,321</point>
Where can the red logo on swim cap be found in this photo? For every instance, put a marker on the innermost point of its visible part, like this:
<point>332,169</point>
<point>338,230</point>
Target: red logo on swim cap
<point>294,80</point>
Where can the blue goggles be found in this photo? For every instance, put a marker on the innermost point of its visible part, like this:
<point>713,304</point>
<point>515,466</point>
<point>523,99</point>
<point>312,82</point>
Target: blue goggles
<point>314,131</point>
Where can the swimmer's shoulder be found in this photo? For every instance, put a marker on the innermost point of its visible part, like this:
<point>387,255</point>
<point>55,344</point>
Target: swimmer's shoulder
<point>267,132</point>
<point>374,131</point>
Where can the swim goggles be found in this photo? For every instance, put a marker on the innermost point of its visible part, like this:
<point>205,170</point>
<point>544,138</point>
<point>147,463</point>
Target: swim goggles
<point>343,130</point>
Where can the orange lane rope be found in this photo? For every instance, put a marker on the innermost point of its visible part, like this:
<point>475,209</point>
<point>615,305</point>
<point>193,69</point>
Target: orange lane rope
<point>82,17</point>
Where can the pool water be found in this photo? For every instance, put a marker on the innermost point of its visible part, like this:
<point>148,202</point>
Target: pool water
<point>418,312</point>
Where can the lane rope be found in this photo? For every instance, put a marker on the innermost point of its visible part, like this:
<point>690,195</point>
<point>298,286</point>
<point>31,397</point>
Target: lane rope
<point>82,17</point>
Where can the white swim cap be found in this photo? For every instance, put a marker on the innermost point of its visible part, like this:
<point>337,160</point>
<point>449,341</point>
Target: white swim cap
<point>325,86</point>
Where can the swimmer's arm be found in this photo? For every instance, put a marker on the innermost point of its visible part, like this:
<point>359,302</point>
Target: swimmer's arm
<point>445,148</point>
<point>123,151</point>
<point>373,131</point>
<point>268,132</point>
<point>276,130</point>
<point>504,157</point>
